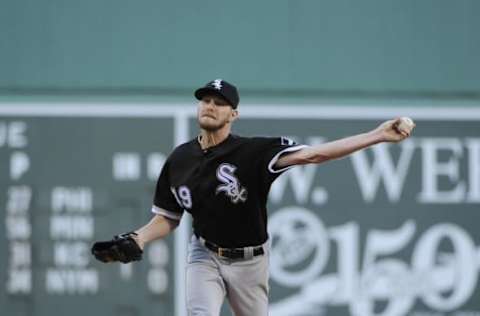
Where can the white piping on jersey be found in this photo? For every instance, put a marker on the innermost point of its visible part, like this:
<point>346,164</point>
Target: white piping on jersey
<point>275,158</point>
<point>171,215</point>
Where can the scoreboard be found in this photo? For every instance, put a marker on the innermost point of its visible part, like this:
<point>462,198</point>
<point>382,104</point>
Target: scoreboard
<point>392,230</point>
<point>67,180</point>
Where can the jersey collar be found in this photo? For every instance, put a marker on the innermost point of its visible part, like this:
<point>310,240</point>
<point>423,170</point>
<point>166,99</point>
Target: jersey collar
<point>212,148</point>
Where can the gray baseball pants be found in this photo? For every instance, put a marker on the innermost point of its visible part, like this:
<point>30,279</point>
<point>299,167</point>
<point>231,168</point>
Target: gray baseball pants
<point>211,278</point>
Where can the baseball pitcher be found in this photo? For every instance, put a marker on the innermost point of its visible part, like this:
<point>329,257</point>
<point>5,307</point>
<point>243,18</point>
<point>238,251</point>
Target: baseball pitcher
<point>223,181</point>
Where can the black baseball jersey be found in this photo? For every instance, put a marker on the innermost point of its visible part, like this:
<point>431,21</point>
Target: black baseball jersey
<point>224,187</point>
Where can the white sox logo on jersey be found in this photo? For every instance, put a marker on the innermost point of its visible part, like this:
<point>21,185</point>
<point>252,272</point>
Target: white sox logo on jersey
<point>231,186</point>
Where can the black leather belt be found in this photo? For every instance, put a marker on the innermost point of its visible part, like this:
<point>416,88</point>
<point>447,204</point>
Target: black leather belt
<point>231,253</point>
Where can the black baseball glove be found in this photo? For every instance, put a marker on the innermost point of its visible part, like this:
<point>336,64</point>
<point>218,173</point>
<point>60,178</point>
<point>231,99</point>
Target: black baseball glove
<point>121,248</point>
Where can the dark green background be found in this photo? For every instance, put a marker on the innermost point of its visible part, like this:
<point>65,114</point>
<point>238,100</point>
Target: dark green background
<point>78,152</point>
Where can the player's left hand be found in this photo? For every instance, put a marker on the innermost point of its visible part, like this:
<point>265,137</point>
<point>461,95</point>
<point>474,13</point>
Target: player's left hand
<point>395,130</point>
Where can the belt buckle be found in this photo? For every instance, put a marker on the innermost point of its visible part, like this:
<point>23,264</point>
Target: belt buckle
<point>220,251</point>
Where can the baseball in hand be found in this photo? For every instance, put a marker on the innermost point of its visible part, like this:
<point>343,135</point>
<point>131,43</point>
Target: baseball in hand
<point>405,125</point>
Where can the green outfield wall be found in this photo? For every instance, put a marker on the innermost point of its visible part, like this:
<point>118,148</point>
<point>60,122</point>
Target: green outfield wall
<point>269,48</point>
